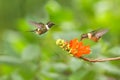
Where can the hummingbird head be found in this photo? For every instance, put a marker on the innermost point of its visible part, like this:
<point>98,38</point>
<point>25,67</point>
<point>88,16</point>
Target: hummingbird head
<point>50,24</point>
<point>84,36</point>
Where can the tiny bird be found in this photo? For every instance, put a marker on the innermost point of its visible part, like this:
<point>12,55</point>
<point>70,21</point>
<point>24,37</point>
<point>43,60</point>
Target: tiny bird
<point>41,28</point>
<point>94,35</point>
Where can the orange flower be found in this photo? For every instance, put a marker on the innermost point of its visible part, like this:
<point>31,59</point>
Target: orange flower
<point>74,47</point>
<point>78,49</point>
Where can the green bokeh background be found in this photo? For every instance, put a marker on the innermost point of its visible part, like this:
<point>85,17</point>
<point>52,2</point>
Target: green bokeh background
<point>27,56</point>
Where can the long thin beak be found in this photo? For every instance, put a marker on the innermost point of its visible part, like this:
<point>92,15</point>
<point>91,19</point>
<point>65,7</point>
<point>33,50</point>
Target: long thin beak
<point>81,39</point>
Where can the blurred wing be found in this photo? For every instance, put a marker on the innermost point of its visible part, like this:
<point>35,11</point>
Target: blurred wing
<point>100,33</point>
<point>38,25</point>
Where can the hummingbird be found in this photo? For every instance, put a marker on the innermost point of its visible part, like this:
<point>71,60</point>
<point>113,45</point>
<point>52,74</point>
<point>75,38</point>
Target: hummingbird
<point>94,35</point>
<point>41,28</point>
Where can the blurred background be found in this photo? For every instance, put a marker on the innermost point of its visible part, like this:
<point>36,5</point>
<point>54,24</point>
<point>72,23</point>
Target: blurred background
<point>28,56</point>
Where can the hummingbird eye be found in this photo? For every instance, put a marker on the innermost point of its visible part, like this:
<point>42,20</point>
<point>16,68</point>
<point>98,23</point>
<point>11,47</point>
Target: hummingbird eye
<point>84,35</point>
<point>50,24</point>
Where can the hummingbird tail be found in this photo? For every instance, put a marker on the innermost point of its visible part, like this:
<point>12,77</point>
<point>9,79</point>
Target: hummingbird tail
<point>31,31</point>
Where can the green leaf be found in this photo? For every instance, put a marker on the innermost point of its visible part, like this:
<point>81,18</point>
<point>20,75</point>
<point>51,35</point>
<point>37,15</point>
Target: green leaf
<point>31,52</point>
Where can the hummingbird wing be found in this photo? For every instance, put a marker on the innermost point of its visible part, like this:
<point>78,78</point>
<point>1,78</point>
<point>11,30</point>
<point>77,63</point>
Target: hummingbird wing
<point>100,33</point>
<point>38,25</point>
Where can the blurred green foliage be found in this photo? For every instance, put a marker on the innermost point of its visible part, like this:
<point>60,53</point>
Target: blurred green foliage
<point>27,56</point>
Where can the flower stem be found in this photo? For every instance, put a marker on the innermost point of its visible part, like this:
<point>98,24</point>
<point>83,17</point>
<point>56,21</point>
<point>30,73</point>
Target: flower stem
<point>100,60</point>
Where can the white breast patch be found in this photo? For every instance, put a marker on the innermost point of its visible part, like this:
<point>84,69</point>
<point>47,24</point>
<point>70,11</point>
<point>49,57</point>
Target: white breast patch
<point>89,35</point>
<point>47,27</point>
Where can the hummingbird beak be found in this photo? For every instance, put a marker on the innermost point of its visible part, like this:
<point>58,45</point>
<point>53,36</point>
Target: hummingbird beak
<point>81,39</point>
<point>83,36</point>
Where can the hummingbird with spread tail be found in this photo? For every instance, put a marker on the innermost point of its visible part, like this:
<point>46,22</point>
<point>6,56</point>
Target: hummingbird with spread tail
<point>94,35</point>
<point>41,28</point>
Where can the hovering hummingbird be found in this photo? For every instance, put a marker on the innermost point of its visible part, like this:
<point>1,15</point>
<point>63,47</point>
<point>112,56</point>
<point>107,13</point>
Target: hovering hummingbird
<point>94,35</point>
<point>41,28</point>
